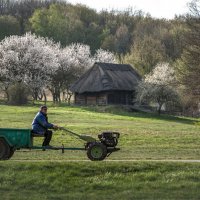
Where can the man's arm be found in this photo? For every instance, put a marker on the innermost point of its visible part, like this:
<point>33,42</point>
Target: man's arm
<point>43,122</point>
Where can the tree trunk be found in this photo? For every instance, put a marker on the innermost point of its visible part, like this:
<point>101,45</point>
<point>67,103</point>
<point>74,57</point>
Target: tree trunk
<point>53,94</point>
<point>45,97</point>
<point>69,99</point>
<point>35,95</point>
<point>40,95</point>
<point>63,96</point>
<point>57,95</point>
<point>59,98</point>
<point>7,95</point>
<point>159,108</point>
<point>69,95</point>
<point>54,97</point>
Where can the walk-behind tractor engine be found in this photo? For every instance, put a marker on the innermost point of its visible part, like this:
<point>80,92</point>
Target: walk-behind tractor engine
<point>110,139</point>
<point>98,150</point>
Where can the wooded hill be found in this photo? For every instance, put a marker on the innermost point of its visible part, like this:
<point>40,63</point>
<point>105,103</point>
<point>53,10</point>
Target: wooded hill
<point>135,37</point>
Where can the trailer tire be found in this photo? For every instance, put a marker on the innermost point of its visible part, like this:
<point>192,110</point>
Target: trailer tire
<point>4,149</point>
<point>96,151</point>
<point>12,151</point>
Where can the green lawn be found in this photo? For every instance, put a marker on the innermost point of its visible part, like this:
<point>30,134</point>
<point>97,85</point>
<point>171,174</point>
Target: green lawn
<point>51,175</point>
<point>143,136</point>
<point>99,180</point>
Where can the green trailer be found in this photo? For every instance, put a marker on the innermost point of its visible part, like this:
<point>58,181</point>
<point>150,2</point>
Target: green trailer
<point>12,139</point>
<point>16,139</point>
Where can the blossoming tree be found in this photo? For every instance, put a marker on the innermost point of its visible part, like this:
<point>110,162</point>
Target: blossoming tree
<point>158,86</point>
<point>104,56</point>
<point>28,59</point>
<point>74,60</point>
<point>39,63</point>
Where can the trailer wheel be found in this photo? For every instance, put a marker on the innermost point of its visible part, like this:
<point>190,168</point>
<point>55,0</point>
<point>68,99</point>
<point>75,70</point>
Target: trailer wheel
<point>12,151</point>
<point>96,151</point>
<point>4,149</point>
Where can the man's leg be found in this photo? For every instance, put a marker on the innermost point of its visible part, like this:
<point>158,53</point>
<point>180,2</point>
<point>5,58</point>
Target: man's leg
<point>47,138</point>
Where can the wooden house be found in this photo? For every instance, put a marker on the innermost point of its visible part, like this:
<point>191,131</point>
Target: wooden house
<point>106,83</point>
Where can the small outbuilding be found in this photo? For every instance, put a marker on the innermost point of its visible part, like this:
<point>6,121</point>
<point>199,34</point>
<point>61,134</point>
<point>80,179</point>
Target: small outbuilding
<point>105,84</point>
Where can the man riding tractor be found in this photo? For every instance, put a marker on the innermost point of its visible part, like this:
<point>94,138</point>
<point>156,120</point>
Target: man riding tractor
<point>40,126</point>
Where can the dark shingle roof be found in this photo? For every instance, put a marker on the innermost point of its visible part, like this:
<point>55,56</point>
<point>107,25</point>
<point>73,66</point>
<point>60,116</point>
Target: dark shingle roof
<point>107,76</point>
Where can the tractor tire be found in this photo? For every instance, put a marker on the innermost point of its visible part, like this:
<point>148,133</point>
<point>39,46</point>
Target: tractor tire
<point>12,151</point>
<point>4,149</point>
<point>96,151</point>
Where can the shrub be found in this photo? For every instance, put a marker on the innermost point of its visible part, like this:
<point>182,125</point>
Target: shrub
<point>18,94</point>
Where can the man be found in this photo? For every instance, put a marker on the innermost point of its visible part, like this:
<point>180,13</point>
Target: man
<point>40,125</point>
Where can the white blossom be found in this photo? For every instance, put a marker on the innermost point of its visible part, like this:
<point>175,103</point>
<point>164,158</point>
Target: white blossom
<point>104,56</point>
<point>77,56</point>
<point>29,59</point>
<point>162,74</point>
<point>158,86</point>
<point>40,63</point>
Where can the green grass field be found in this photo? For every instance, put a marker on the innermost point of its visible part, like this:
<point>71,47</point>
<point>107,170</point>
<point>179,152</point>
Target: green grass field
<point>99,180</point>
<point>52,175</point>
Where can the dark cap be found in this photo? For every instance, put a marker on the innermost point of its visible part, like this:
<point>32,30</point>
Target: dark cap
<point>43,107</point>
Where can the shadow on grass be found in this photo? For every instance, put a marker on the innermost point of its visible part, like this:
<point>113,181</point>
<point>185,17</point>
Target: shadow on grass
<point>118,110</point>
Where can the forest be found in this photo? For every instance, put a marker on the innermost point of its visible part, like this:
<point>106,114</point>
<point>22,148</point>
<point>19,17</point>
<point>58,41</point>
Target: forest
<point>135,37</point>
<point>132,36</point>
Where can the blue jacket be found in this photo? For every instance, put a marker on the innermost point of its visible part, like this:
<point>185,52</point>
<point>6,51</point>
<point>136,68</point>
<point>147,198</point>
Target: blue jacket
<point>40,123</point>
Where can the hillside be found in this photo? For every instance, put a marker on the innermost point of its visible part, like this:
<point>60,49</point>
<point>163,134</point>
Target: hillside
<point>143,136</point>
<point>53,175</point>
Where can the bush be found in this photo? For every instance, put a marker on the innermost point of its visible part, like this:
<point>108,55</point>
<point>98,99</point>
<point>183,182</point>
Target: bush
<point>18,94</point>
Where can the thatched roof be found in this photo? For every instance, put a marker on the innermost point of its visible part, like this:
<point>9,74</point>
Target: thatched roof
<point>107,76</point>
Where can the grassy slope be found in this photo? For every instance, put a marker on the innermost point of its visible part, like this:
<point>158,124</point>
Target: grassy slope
<point>143,137</point>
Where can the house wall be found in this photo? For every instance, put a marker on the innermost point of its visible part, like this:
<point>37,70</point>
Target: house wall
<point>120,97</point>
<point>105,98</point>
<point>91,99</point>
<point>80,99</point>
<point>102,99</point>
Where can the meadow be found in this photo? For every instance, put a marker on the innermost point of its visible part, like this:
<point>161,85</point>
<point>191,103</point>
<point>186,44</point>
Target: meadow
<point>146,167</point>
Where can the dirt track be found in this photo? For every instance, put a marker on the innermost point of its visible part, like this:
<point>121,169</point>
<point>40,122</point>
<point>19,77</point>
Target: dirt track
<point>179,161</point>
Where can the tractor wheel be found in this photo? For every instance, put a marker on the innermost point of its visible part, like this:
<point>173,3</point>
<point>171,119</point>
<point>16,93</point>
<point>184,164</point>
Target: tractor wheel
<point>96,151</point>
<point>4,149</point>
<point>12,151</point>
